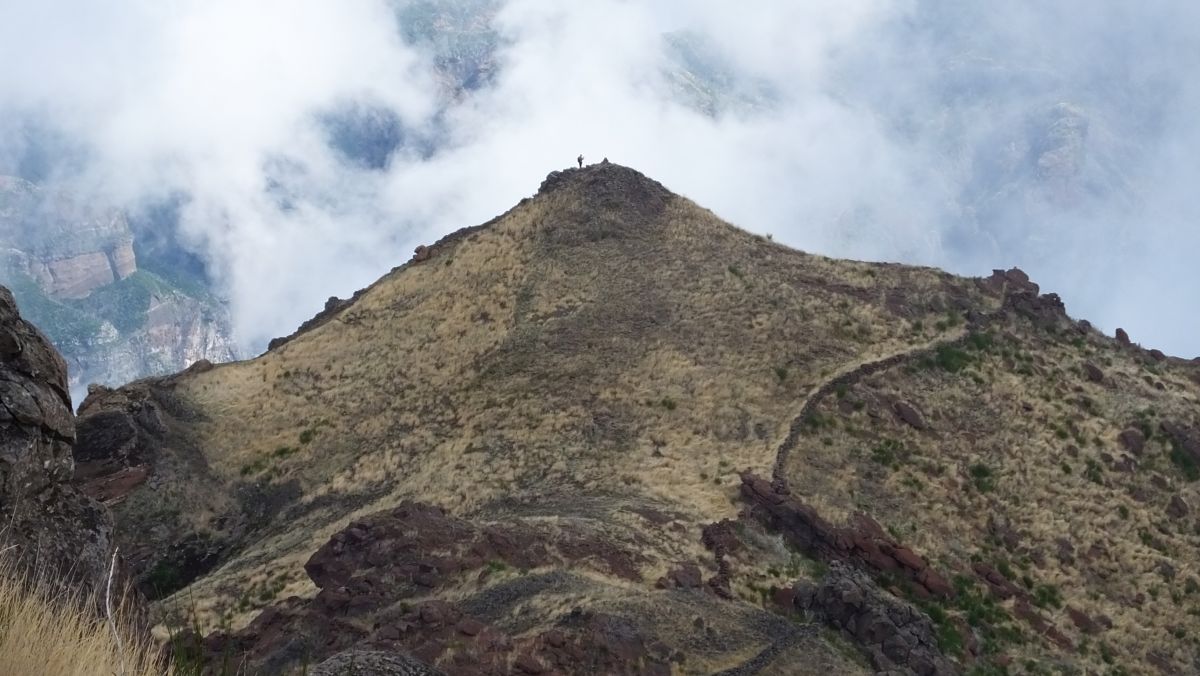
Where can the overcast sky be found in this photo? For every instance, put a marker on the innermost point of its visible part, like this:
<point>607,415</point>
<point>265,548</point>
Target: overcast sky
<point>1064,140</point>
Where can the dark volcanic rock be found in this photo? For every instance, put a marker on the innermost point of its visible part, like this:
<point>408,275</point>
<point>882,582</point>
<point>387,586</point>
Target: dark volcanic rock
<point>1045,310</point>
<point>1014,281</point>
<point>1093,372</point>
<point>910,414</point>
<point>1123,337</point>
<point>896,635</point>
<point>118,455</point>
<point>1177,508</point>
<point>47,522</point>
<point>1133,440</point>
<point>384,572</point>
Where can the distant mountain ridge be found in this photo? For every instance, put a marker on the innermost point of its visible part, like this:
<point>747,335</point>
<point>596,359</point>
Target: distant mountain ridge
<point>74,271</point>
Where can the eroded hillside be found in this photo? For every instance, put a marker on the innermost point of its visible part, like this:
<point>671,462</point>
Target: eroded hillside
<point>545,445</point>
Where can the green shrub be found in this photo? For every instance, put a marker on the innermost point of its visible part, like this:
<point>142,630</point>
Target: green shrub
<point>981,476</point>
<point>889,453</point>
<point>1047,596</point>
<point>951,359</point>
<point>1184,462</point>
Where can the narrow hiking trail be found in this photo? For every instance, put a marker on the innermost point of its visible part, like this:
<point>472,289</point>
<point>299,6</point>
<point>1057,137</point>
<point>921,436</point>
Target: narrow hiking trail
<point>853,373</point>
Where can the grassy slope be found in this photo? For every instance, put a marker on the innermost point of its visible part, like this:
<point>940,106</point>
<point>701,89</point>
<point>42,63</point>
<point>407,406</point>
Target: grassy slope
<point>1021,442</point>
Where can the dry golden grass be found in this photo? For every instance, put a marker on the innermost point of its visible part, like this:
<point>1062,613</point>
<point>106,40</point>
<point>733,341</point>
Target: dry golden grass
<point>46,630</point>
<point>1020,440</point>
<point>648,369</point>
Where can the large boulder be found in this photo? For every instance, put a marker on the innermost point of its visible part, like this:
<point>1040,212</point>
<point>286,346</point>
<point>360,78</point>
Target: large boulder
<point>48,523</point>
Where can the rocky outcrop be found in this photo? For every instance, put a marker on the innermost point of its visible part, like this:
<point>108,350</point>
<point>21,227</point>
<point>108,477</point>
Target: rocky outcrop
<point>897,636</point>
<point>69,247</point>
<point>177,331</point>
<point>1093,372</point>
<point>1133,440</point>
<point>78,276</point>
<point>910,414</point>
<point>381,580</point>
<point>47,521</point>
<point>121,459</point>
<point>1013,280</point>
<point>863,542</point>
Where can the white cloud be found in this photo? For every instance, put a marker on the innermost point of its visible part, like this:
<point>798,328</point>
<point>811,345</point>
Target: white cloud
<point>899,130</point>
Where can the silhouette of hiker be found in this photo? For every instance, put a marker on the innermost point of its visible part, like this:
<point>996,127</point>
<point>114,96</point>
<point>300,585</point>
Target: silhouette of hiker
<point>580,161</point>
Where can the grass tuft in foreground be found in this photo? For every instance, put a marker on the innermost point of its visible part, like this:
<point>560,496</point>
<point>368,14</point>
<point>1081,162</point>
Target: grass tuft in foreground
<point>46,630</point>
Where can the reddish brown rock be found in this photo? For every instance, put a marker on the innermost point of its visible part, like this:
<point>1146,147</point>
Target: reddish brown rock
<point>1000,586</point>
<point>1123,337</point>
<point>1093,372</point>
<point>1082,620</point>
<point>863,542</point>
<point>1058,638</point>
<point>113,488</point>
<point>907,558</point>
<point>1157,355</point>
<point>528,664</point>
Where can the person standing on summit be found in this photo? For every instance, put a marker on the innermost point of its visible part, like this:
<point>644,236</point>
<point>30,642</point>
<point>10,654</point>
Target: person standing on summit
<point>580,160</point>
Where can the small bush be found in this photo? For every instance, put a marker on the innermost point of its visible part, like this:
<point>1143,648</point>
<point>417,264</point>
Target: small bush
<point>284,451</point>
<point>254,467</point>
<point>889,453</point>
<point>1184,462</point>
<point>1047,596</point>
<point>951,359</point>
<point>981,477</point>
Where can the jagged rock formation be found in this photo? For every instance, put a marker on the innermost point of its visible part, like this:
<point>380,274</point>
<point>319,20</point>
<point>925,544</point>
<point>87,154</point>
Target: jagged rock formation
<point>899,637</point>
<point>48,524</point>
<point>608,433</point>
<point>74,270</point>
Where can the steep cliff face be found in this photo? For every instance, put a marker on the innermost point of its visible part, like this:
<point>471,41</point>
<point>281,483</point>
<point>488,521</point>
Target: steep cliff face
<point>48,524</point>
<point>74,271</point>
